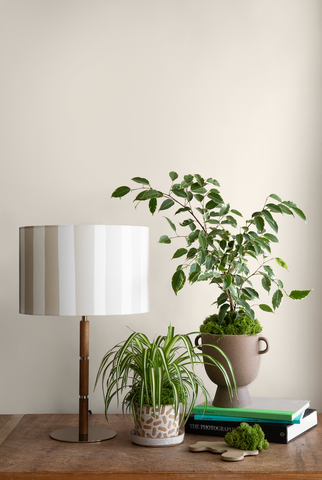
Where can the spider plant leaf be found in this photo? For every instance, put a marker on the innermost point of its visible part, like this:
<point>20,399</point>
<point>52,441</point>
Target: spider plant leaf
<point>222,369</point>
<point>151,373</point>
<point>158,385</point>
<point>176,397</point>
<point>189,348</point>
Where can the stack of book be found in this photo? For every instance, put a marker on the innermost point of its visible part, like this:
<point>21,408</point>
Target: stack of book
<point>281,420</point>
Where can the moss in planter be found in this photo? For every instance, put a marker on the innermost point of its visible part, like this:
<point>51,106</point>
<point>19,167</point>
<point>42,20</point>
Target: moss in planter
<point>234,323</point>
<point>167,396</point>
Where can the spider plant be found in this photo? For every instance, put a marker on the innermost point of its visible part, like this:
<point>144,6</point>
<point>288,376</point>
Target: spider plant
<point>156,373</point>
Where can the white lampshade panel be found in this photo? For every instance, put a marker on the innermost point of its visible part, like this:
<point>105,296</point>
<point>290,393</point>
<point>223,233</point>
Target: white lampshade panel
<point>83,270</point>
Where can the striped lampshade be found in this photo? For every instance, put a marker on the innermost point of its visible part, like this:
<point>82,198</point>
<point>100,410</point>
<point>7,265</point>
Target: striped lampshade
<point>83,270</point>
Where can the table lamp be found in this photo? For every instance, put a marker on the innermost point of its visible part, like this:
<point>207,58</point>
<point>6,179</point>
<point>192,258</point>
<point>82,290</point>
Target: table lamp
<point>83,270</point>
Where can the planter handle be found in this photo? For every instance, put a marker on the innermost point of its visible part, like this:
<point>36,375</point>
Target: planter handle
<point>261,352</point>
<point>196,342</point>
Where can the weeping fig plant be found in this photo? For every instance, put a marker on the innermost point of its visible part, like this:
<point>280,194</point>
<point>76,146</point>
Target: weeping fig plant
<point>216,248</point>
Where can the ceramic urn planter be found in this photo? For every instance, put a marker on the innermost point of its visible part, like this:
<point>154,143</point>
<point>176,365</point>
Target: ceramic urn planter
<point>244,353</point>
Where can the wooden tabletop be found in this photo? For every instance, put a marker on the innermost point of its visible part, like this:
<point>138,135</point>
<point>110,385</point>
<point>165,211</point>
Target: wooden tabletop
<point>27,451</point>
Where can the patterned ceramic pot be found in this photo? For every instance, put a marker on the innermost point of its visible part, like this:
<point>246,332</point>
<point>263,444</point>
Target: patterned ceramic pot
<point>162,425</point>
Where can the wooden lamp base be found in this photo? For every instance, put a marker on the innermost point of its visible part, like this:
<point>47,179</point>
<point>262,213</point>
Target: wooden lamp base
<point>83,433</point>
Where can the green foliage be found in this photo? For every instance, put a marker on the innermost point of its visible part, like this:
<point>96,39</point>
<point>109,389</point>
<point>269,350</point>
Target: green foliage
<point>155,373</point>
<point>299,294</point>
<point>167,396</point>
<point>216,249</point>
<point>246,437</point>
<point>233,323</point>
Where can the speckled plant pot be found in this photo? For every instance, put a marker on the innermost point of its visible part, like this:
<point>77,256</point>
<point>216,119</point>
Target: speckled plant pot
<point>163,425</point>
<point>244,354</point>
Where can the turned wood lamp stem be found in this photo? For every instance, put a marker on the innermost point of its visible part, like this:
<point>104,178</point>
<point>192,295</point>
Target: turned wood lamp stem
<point>83,433</point>
<point>83,377</point>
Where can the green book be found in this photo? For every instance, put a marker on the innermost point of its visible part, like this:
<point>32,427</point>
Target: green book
<point>262,407</point>
<point>220,418</point>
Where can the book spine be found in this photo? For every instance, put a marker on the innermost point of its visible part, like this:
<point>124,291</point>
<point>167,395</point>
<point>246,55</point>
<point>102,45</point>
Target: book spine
<point>216,418</point>
<point>275,433</point>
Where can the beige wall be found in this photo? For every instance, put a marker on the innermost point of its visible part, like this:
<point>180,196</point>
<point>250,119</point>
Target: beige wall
<point>95,92</point>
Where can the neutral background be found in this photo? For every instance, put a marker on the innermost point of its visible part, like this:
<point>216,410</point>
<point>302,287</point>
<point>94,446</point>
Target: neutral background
<point>93,93</point>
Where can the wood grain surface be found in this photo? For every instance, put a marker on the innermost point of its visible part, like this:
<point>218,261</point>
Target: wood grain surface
<point>29,453</point>
<point>7,424</point>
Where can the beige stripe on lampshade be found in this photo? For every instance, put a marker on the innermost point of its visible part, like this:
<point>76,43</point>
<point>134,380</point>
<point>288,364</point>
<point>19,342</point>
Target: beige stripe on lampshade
<point>83,270</point>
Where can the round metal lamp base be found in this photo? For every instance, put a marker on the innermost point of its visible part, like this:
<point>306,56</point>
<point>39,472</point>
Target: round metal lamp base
<point>71,435</point>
